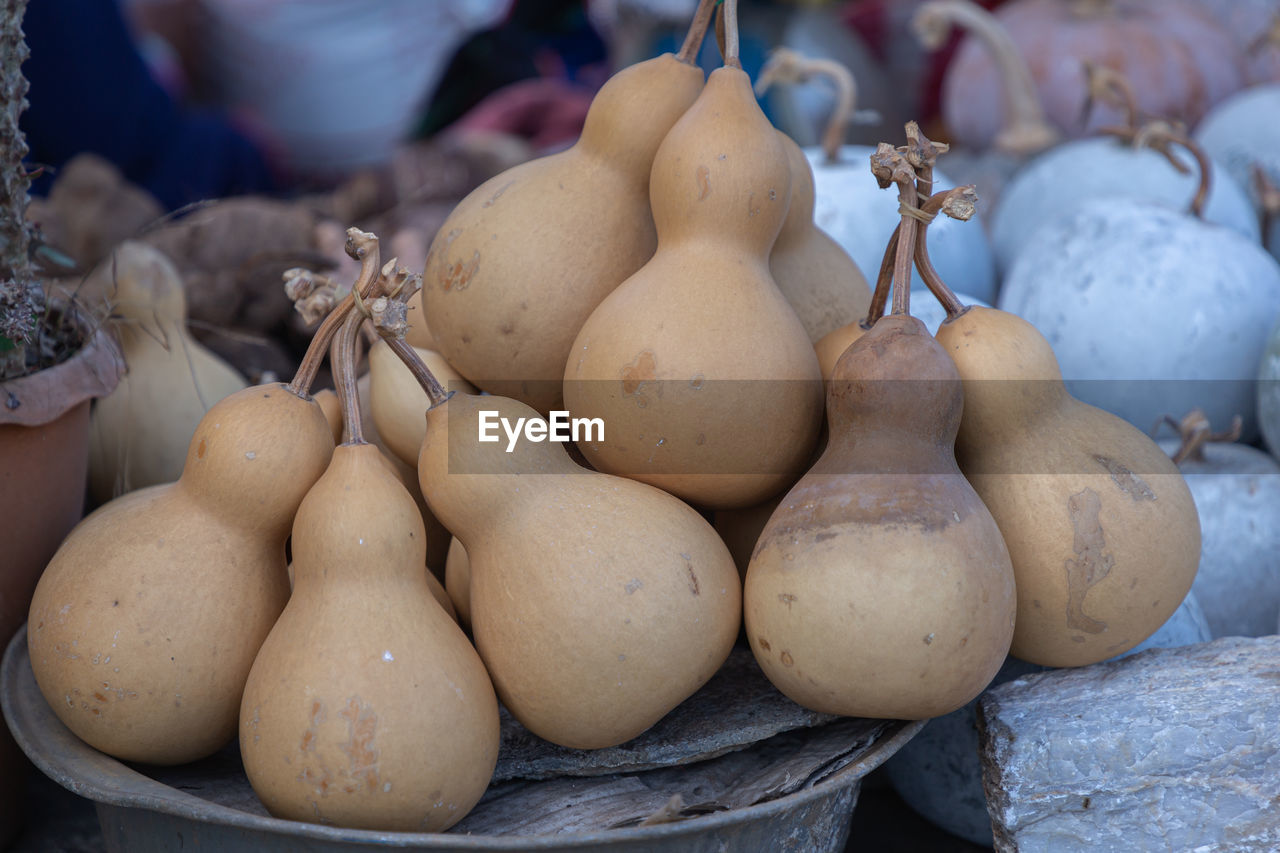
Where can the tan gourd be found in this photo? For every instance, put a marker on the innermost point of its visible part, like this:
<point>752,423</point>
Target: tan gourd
<point>597,603</point>
<point>1102,529</point>
<point>397,401</point>
<point>366,706</point>
<point>818,278</point>
<point>457,581</point>
<point>521,262</point>
<point>706,381</point>
<point>408,477</point>
<point>139,434</point>
<point>146,621</point>
<point>881,586</point>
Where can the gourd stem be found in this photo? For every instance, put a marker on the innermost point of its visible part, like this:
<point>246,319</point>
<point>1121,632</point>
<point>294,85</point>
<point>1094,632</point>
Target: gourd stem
<point>697,32</point>
<point>922,153</point>
<point>361,246</point>
<point>942,202</point>
<point>884,280</point>
<point>1268,200</point>
<point>891,167</point>
<point>1158,136</point>
<point>435,391</point>
<point>731,59</point>
<point>393,333</point>
<point>342,359</point>
<point>928,273</point>
<point>1026,130</point>
<point>1108,86</point>
<point>792,66</point>
<point>1195,432</point>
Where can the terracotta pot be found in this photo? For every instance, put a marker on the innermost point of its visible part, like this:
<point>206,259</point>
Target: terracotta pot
<point>44,461</point>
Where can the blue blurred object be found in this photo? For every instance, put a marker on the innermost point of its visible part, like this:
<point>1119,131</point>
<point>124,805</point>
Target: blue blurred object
<point>90,90</point>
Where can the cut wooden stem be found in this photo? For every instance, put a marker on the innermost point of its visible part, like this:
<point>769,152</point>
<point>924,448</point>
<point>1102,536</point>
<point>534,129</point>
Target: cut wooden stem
<point>363,247</point>
<point>731,34</point>
<point>1026,129</point>
<point>922,153</point>
<point>697,32</point>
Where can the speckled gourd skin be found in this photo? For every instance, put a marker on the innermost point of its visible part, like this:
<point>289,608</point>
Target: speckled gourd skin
<point>702,373</point>
<point>144,625</point>
<point>597,603</point>
<point>1127,293</point>
<point>1101,528</point>
<point>522,260</point>
<point>367,707</point>
<point>881,586</point>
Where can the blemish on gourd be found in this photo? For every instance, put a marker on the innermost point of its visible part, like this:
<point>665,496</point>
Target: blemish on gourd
<point>764,644</point>
<point>1091,565</point>
<point>633,585</point>
<point>201,449</point>
<point>1128,482</point>
<point>786,598</point>
<point>251,455</point>
<point>703,177</point>
<point>497,195</point>
<point>456,275</point>
<point>693,579</point>
<point>786,659</point>
<point>928,638</point>
<point>637,374</point>
<point>362,724</point>
<point>752,208</point>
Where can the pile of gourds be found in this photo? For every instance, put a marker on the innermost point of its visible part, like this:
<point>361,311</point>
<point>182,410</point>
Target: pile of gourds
<point>930,504</point>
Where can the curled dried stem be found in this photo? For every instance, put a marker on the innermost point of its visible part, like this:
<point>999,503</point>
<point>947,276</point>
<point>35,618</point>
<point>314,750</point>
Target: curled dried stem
<point>1160,136</point>
<point>958,203</point>
<point>1026,129</point>
<point>1195,432</point>
<point>790,66</point>
<point>1107,86</point>
<point>391,324</point>
<point>363,247</point>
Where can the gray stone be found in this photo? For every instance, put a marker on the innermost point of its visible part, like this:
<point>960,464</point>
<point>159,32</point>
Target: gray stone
<point>938,772</point>
<point>1170,749</point>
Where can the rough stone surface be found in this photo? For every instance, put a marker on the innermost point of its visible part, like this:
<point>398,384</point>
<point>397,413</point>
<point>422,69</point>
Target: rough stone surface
<point>938,772</point>
<point>1170,749</point>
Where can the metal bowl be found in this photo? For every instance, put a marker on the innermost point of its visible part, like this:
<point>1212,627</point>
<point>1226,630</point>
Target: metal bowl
<point>804,784</point>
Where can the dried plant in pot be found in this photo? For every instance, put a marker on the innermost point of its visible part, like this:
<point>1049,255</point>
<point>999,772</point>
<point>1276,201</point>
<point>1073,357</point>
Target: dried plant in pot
<point>53,361</point>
